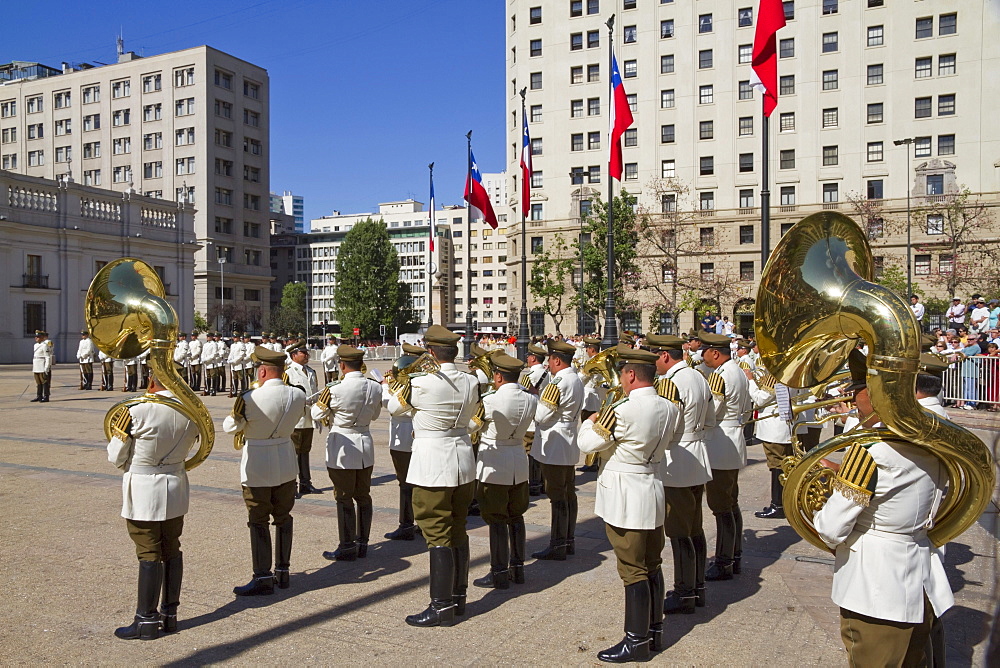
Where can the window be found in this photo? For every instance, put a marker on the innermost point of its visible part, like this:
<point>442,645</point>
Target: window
<point>668,203</point>
<point>922,107</point>
<point>535,15</point>
<point>787,196</point>
<point>744,17</point>
<point>667,64</point>
<point>184,77</point>
<point>947,24</point>
<point>921,265</point>
<point>594,174</point>
<point>667,135</point>
<point>152,112</point>
<point>223,79</point>
<point>576,75</point>
<point>631,69</point>
<point>576,142</point>
<point>224,196</point>
<point>92,149</point>
<point>629,34</point>
<point>746,126</point>
<point>223,138</point>
<point>946,144</point>
<point>594,106</point>
<point>8,161</point>
<point>925,27</point>
<point>251,202</point>
<point>536,245</point>
<point>668,169</point>
<point>945,264</point>
<point>788,6</point>
<point>875,190</point>
<point>576,176</point>
<point>746,231</point>
<point>746,271</point>
<point>184,166</point>
<point>922,68</point>
<point>631,171</point>
<point>704,59</point>
<point>536,113</point>
<point>536,212</point>
<point>706,165</point>
<point>786,85</point>
<point>121,117</point>
<point>576,41</point>
<point>786,122</point>
<point>946,105</point>
<point>593,39</point>
<point>668,273</point>
<point>935,184</point>
<point>831,117</point>
<point>746,162</point>
<point>632,137</point>
<point>36,158</point>
<point>36,131</point>
<point>251,118</point>
<point>746,199</point>
<point>223,167</point>
<point>8,136</point>
<point>122,174</point>
<point>183,136</point>
<point>34,316</point>
<point>585,207</point>
<point>830,42</point>
<point>593,140</point>
<point>706,236</point>
<point>707,271</point>
<point>8,109</point>
<point>251,174</point>
<point>64,153</point>
<point>91,94</point>
<point>831,156</point>
<point>876,36</point>
<point>666,29</point>
<point>875,112</point>
<point>831,192</point>
<point>875,75</point>
<point>121,89</point>
<point>786,48</point>
<point>946,64</point>
<point>536,146</point>
<point>121,145</point>
<point>935,223</point>
<point>667,99</point>
<point>223,109</point>
<point>706,94</point>
<point>922,147</point>
<point>875,151</point>
<point>536,179</point>
<point>875,3</point>
<point>576,109</point>
<point>786,159</point>
<point>746,90</point>
<point>536,47</point>
<point>830,80</point>
<point>252,146</point>
<point>705,23</point>
<point>152,170</point>
<point>536,81</point>
<point>34,104</point>
<point>629,4</point>
<point>593,73</point>
<point>744,54</point>
<point>64,127</point>
<point>706,201</point>
<point>706,130</point>
<point>92,177</point>
<point>62,100</point>
<point>184,107</point>
<point>830,7</point>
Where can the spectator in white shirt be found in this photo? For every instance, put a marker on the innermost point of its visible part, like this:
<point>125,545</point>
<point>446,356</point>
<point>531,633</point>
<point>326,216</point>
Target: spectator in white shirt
<point>979,320</point>
<point>918,310</point>
<point>956,313</point>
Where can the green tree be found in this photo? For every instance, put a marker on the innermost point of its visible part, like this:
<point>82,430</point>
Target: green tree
<point>551,266</point>
<point>893,277</point>
<point>290,314</point>
<point>369,292</point>
<point>200,323</point>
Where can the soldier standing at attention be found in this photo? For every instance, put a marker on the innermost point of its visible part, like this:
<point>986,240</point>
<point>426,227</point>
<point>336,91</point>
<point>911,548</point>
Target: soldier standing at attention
<point>401,449</point>
<point>86,354</point>
<point>442,471</point>
<point>209,359</point>
<point>41,366</point>
<point>348,407</point>
<point>533,379</point>
<point>301,375</point>
<point>236,367</point>
<point>132,374</point>
<point>555,448</point>
<point>182,356</point>
<point>328,358</point>
<point>266,416</point>
<point>107,371</point>
<point>502,470</point>
<point>633,434</point>
<point>150,443</point>
<point>195,361</point>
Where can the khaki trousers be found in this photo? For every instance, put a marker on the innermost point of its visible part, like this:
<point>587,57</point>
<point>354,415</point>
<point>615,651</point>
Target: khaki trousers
<point>500,504</point>
<point>263,503</point>
<point>559,481</point>
<point>302,439</point>
<point>723,490</point>
<point>440,512</point>
<point>683,517</point>
<point>877,642</point>
<point>776,453</point>
<point>351,485</point>
<point>156,541</point>
<point>637,550</point>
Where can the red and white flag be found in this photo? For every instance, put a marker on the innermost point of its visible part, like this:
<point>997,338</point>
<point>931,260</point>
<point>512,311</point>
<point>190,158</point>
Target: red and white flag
<point>764,64</point>
<point>476,195</point>
<point>621,120</point>
<point>525,169</point>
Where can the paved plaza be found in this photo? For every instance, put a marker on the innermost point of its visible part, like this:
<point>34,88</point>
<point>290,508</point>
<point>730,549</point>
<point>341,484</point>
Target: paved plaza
<point>70,570</point>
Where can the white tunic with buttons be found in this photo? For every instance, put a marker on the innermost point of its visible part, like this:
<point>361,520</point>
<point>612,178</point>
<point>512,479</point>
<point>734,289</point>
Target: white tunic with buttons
<point>272,410</point>
<point>41,358</point>
<point>236,356</point>
<point>329,359</point>
<point>727,449</point>
<point>535,378</point>
<point>442,405</point>
<point>155,484</point>
<point>354,402</point>
<point>195,351</point>
<point>556,426</point>
<point>685,463</point>
<point>304,377</point>
<point>593,390</point>
<point>86,352</point>
<point>629,489</point>
<point>400,426</point>
<point>507,414</point>
<point>771,429</point>
<point>181,353</point>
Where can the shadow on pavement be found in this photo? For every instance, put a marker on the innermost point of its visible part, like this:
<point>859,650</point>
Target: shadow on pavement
<point>964,628</point>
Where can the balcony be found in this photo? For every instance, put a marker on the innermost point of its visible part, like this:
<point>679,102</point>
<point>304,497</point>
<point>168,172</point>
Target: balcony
<point>34,281</point>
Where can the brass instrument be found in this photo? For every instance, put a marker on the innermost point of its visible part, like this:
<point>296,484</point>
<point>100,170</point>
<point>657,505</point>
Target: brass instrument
<point>605,365</point>
<point>816,300</point>
<point>127,314</point>
<point>399,384</point>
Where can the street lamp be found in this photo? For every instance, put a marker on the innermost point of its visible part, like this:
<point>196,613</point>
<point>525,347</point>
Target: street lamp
<point>222,306</point>
<point>909,263</point>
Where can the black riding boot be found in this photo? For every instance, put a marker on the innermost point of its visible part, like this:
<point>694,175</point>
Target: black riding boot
<point>364,527</point>
<point>656,594</point>
<point>725,543</point>
<point>557,540</point>
<point>516,529</point>
<point>47,387</point>
<point>406,530</point>
<point>461,586</point>
<point>700,557</point>
<point>347,526</point>
<point>173,573</point>
<point>305,477</point>
<point>571,505</point>
<point>282,553</point>
<point>38,392</point>
<point>499,575</point>
<point>738,541</point>
<point>775,511</point>
<point>536,485</point>
<point>441,611</point>
<point>146,625</point>
<point>260,552</point>
<point>683,598</point>
<point>635,645</point>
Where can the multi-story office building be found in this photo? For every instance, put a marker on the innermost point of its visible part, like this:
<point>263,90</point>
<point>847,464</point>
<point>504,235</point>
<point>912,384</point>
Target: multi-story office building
<point>190,125</point>
<point>854,77</point>
<point>293,205</point>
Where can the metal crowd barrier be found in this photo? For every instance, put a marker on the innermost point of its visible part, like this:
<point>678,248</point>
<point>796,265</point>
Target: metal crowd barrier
<point>974,380</point>
<point>383,352</point>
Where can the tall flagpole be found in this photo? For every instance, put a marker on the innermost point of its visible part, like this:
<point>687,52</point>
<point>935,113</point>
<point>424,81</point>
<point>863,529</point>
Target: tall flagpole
<point>468,339</point>
<point>765,196</point>
<point>430,254</point>
<point>610,338</point>
<point>523,333</point>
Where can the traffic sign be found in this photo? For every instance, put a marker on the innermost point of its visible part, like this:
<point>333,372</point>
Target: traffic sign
<point>357,331</point>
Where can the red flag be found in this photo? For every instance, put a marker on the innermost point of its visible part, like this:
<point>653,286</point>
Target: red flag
<point>476,195</point>
<point>764,65</point>
<point>621,119</point>
<point>525,168</point>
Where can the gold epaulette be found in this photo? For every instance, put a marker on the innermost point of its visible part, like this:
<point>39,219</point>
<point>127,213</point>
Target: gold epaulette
<point>121,424</point>
<point>767,382</point>
<point>240,408</point>
<point>857,476</point>
<point>746,366</point>
<point>551,395</point>
<point>717,384</point>
<point>525,380</point>
<point>479,418</point>
<point>606,422</point>
<point>323,401</point>
<point>284,377</point>
<point>668,390</point>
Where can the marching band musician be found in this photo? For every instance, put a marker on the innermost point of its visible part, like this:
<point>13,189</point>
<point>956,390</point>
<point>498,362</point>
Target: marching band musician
<point>86,353</point>
<point>107,371</point>
<point>555,448</point>
<point>236,355</point>
<point>349,406</point>
<point>634,433</point>
<point>442,471</point>
<point>150,442</point>
<point>182,356</point>
<point>888,579</point>
<point>684,471</point>
<point>774,434</point>
<point>502,471</point>
<point>593,396</point>
<point>41,366</point>
<point>300,374</point>
<point>533,378</point>
<point>195,360</point>
<point>328,358</point>
<point>267,416</point>
<point>727,453</point>
<point>400,450</point>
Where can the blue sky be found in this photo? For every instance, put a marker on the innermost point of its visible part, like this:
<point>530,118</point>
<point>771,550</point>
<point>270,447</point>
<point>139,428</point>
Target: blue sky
<point>363,94</point>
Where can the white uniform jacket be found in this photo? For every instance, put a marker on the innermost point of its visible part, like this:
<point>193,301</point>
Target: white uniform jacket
<point>236,356</point>
<point>155,484</point>
<point>86,353</point>
<point>507,416</point>
<point>305,378</point>
<point>104,357</point>
<point>195,351</point>
<point>933,404</point>
<point>884,561</point>
<point>41,358</point>
<point>222,356</point>
<point>329,359</point>
<point>556,425</point>
<point>593,392</point>
<point>534,379</point>
<point>400,426</point>
<point>268,420</point>
<point>727,449</point>
<point>442,405</point>
<point>210,354</point>
<point>773,429</point>
<point>354,402</point>
<point>181,353</point>
<point>629,489</point>
<point>685,463</point>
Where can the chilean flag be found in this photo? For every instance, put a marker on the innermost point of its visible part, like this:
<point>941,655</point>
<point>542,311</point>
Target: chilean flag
<point>478,198</point>
<point>621,119</point>
<point>525,168</point>
<point>764,64</point>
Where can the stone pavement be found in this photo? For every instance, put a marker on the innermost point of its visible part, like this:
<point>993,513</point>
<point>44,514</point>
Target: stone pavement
<point>70,571</point>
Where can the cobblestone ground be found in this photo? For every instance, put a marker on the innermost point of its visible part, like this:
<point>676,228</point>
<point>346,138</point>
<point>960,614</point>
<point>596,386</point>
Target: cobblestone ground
<point>70,571</point>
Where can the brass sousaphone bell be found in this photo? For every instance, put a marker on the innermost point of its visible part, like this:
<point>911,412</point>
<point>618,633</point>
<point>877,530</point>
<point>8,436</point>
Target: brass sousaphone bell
<point>817,300</point>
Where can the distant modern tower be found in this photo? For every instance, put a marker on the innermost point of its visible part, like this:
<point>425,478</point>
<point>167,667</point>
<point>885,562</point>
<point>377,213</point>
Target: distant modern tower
<point>292,205</point>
